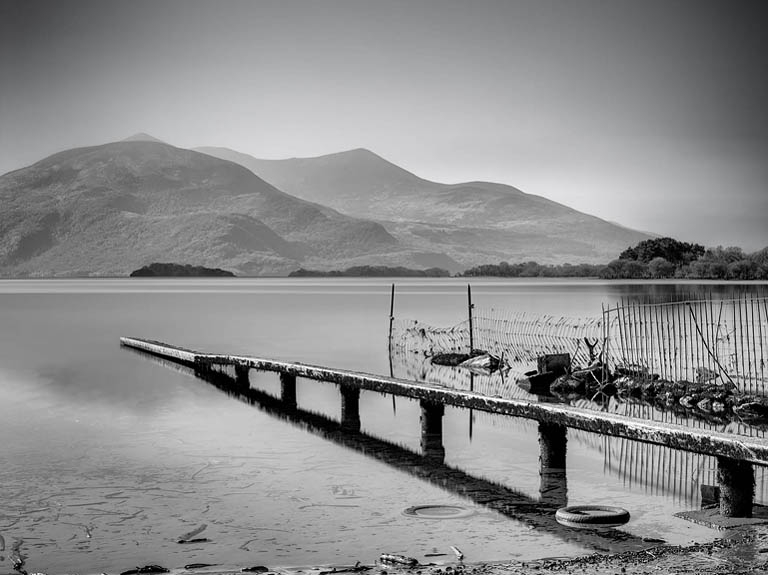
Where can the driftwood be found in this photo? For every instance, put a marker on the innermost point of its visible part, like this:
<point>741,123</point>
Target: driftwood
<point>455,359</point>
<point>398,559</point>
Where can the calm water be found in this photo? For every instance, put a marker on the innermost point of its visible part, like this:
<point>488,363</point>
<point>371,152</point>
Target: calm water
<point>108,458</point>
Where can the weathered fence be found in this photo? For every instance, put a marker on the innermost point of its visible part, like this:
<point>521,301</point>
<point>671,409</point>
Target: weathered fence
<point>724,341</point>
<point>516,337</point>
<point>719,340</point>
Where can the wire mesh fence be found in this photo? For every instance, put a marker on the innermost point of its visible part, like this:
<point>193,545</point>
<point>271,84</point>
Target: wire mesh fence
<point>722,341</point>
<point>517,338</point>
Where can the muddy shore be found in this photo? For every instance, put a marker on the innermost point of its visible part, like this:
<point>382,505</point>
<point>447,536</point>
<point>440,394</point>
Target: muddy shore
<point>739,551</point>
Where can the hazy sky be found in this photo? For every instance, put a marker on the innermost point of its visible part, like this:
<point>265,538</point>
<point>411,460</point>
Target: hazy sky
<point>653,114</point>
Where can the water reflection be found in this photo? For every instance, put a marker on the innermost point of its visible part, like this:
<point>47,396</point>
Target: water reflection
<point>651,468</point>
<point>428,465</point>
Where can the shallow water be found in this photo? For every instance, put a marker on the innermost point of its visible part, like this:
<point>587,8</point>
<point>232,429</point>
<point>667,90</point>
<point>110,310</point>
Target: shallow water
<point>108,457</point>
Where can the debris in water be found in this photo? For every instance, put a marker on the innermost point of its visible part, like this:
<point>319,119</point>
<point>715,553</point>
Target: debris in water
<point>482,363</point>
<point>17,558</point>
<point>198,565</point>
<point>145,569</point>
<point>187,536</point>
<point>457,551</point>
<point>346,569</point>
<point>454,359</point>
<point>255,569</point>
<point>198,540</point>
<point>398,559</point>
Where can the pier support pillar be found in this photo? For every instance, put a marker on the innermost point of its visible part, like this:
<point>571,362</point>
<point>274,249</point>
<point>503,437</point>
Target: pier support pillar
<point>241,376</point>
<point>553,483</point>
<point>432,430</point>
<point>350,408</point>
<point>288,390</point>
<point>737,487</point>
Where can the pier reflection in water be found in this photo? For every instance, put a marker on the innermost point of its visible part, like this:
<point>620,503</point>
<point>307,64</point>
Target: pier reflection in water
<point>429,464</point>
<point>649,468</point>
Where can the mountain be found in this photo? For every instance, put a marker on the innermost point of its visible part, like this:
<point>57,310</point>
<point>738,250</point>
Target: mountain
<point>110,209</point>
<point>142,137</point>
<point>473,222</point>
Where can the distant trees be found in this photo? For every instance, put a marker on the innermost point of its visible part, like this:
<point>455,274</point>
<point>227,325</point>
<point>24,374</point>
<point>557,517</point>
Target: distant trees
<point>675,252</point>
<point>658,258</point>
<point>178,270</point>
<point>371,271</point>
<point>533,269</point>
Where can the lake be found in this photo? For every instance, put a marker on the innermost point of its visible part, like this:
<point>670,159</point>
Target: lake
<point>109,457</point>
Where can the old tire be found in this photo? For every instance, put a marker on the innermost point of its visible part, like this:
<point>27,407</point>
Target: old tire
<point>591,516</point>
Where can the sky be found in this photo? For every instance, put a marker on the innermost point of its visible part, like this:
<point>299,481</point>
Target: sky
<point>652,114</point>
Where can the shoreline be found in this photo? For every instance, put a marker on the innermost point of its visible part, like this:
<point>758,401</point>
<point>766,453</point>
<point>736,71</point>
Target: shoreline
<point>739,551</point>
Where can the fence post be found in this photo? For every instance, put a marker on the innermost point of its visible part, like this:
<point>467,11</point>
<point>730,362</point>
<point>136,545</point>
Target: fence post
<point>391,315</point>
<point>469,310</point>
<point>605,352</point>
<point>391,323</point>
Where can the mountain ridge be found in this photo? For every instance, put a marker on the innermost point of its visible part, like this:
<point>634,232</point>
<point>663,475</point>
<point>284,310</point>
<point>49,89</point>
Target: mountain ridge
<point>110,208</point>
<point>497,220</point>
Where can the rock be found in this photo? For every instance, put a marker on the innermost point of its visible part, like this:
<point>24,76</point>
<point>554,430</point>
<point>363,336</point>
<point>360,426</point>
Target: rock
<point>558,363</point>
<point>705,405</point>
<point>689,401</point>
<point>536,383</point>
<point>565,384</point>
<point>753,409</point>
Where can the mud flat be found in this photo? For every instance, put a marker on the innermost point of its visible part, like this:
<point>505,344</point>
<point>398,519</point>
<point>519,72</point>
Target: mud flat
<point>740,551</point>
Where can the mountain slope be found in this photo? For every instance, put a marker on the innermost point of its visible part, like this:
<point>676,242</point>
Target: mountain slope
<point>471,221</point>
<point>112,208</point>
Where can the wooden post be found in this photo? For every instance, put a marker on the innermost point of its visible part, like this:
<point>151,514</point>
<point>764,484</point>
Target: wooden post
<point>350,407</point>
<point>391,313</point>
<point>288,390</point>
<point>469,310</point>
<point>432,430</point>
<point>391,323</point>
<point>471,411</point>
<point>737,487</point>
<point>553,484</point>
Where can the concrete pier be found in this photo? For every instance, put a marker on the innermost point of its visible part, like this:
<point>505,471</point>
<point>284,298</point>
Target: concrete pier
<point>350,407</point>
<point>432,430</point>
<point>241,375</point>
<point>553,483</point>
<point>737,487</point>
<point>288,389</point>
<point>735,453</point>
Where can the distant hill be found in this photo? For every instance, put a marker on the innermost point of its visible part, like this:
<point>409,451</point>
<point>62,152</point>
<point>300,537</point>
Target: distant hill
<point>473,222</point>
<point>178,270</point>
<point>108,209</point>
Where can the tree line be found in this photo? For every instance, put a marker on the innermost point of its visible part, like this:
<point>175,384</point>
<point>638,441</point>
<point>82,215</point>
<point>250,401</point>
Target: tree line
<point>659,258</point>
